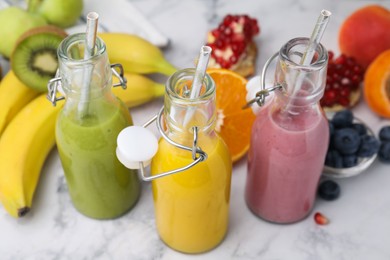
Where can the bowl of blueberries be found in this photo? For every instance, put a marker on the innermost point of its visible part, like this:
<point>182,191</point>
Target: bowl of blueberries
<point>353,146</point>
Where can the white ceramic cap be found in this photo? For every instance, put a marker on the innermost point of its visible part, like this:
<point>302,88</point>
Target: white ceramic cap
<point>136,144</point>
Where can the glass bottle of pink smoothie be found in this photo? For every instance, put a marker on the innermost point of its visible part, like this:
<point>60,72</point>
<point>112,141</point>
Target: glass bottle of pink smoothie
<point>289,139</point>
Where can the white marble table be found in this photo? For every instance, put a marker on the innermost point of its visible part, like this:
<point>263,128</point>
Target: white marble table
<point>359,227</point>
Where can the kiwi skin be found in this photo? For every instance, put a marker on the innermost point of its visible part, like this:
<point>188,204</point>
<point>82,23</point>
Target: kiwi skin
<point>34,58</point>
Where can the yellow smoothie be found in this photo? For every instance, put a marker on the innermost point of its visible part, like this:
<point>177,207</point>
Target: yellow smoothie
<point>192,207</point>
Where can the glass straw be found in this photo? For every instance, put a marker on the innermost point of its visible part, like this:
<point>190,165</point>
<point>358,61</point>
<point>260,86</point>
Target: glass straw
<point>89,51</point>
<point>308,55</point>
<point>197,83</point>
<point>316,36</point>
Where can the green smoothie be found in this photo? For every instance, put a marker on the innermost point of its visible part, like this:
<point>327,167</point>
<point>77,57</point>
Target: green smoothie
<point>99,185</point>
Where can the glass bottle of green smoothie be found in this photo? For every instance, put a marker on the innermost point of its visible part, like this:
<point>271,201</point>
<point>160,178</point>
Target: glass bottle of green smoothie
<point>86,131</point>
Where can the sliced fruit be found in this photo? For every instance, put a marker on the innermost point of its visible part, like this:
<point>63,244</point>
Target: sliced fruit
<point>234,124</point>
<point>377,85</point>
<point>320,219</point>
<point>232,44</point>
<point>343,80</point>
<point>34,59</point>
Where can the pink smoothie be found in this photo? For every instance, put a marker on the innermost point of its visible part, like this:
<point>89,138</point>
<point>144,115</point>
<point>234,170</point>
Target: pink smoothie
<point>285,162</point>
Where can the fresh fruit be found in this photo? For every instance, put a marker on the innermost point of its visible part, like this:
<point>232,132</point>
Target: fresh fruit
<point>368,147</point>
<point>365,34</point>
<point>346,140</point>
<point>329,190</point>
<point>14,95</point>
<point>136,54</point>
<point>360,128</point>
<point>232,44</point>
<point>139,90</point>
<point>350,160</point>
<point>343,80</point>
<point>384,152</point>
<point>15,21</point>
<point>320,219</point>
<point>377,85</point>
<point>24,147</point>
<point>34,59</point>
<point>57,12</point>
<point>334,159</point>
<point>349,141</point>
<point>234,124</point>
<point>384,134</point>
<point>343,118</point>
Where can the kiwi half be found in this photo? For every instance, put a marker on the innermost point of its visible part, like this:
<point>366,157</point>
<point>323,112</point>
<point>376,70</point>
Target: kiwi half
<point>34,58</point>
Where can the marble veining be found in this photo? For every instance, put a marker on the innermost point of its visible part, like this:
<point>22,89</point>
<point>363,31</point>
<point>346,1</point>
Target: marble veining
<point>359,220</point>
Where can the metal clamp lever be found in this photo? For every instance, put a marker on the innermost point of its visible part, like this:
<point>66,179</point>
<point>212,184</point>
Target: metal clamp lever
<point>52,87</point>
<point>119,75</point>
<point>198,155</point>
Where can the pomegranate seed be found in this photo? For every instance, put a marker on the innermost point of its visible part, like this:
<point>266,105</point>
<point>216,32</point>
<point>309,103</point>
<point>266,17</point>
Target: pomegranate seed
<point>219,44</point>
<point>341,59</point>
<point>345,91</point>
<point>344,101</point>
<point>233,59</point>
<point>330,55</point>
<point>320,219</point>
<point>228,31</point>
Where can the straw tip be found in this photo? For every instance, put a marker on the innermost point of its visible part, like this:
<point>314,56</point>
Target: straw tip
<point>326,13</point>
<point>206,49</point>
<point>92,16</point>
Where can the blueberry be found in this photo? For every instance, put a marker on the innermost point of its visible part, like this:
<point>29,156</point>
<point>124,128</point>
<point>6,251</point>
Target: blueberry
<point>360,128</point>
<point>342,119</point>
<point>350,160</point>
<point>369,145</point>
<point>346,140</point>
<point>334,159</point>
<point>384,152</point>
<point>384,134</point>
<point>329,190</point>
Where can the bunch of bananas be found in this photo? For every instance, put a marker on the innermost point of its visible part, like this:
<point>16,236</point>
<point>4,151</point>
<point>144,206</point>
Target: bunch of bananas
<point>27,119</point>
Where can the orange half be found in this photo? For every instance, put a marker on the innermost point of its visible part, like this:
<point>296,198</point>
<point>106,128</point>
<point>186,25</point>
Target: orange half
<point>234,124</point>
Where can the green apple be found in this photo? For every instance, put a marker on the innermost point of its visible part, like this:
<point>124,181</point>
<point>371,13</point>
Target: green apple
<point>62,13</point>
<point>15,21</point>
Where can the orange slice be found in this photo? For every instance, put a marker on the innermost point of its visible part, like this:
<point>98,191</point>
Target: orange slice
<point>234,124</point>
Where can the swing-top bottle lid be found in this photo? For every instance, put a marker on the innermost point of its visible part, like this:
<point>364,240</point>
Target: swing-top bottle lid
<point>136,144</point>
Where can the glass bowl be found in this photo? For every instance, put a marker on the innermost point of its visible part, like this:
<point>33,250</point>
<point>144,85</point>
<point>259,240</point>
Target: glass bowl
<point>362,165</point>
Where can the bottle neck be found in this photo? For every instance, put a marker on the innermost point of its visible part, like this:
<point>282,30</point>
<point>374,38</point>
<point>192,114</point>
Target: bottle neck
<point>182,113</point>
<point>303,85</point>
<point>89,78</point>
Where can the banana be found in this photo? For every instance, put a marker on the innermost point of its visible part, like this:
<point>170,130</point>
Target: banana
<point>14,95</point>
<point>136,54</point>
<point>24,146</point>
<point>139,90</point>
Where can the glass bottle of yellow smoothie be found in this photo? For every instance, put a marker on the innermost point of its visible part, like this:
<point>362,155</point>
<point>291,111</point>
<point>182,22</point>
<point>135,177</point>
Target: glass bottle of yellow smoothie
<point>192,206</point>
<point>99,185</point>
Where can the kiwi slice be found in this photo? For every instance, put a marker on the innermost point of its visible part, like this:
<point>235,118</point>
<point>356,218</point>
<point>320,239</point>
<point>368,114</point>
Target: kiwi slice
<point>34,58</point>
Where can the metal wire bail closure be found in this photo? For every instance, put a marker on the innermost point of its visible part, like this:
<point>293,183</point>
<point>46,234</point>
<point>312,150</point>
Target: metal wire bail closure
<point>198,155</point>
<point>55,83</point>
<point>264,92</point>
<point>119,75</point>
<point>52,88</point>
